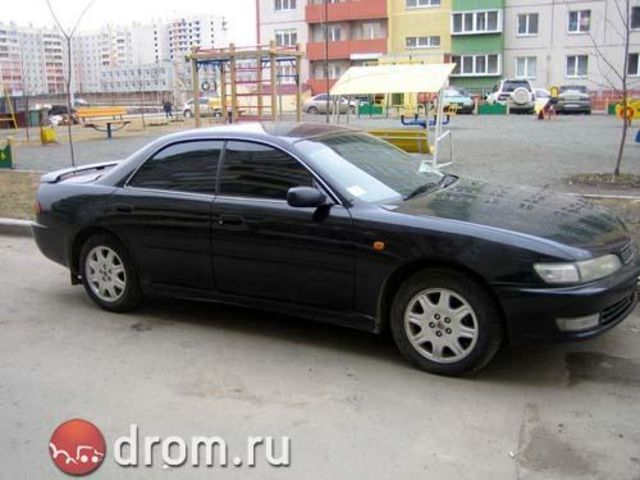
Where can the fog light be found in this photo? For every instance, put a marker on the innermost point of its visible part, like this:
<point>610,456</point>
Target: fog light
<point>578,324</point>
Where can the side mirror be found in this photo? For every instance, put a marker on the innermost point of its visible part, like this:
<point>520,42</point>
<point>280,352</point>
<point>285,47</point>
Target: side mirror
<point>305,197</point>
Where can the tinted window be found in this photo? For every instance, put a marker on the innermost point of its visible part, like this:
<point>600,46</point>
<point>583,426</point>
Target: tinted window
<point>185,167</point>
<point>253,170</point>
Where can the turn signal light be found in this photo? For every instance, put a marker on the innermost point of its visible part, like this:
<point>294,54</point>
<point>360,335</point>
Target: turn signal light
<point>37,208</point>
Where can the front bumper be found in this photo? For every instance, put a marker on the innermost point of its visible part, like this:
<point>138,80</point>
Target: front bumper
<point>531,313</point>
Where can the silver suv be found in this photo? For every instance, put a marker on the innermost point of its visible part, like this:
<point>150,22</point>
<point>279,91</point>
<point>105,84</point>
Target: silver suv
<point>517,94</point>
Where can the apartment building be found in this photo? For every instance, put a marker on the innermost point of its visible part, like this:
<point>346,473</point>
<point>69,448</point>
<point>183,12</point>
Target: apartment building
<point>358,32</point>
<point>32,59</point>
<point>550,42</point>
<point>283,22</point>
<point>477,42</point>
<point>419,30</point>
<point>554,42</point>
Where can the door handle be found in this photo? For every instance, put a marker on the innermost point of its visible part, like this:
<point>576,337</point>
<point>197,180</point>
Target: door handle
<point>230,220</point>
<point>122,208</point>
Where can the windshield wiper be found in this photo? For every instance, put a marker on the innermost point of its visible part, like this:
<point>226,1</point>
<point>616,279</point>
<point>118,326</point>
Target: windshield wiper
<point>445,181</point>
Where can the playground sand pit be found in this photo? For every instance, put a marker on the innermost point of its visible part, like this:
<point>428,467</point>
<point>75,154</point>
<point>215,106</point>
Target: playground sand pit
<point>17,190</point>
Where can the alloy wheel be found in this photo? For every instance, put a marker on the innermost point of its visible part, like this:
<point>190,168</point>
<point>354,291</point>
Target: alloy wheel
<point>441,325</point>
<point>106,274</point>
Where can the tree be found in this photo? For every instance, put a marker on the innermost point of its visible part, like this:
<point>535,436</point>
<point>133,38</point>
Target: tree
<point>617,77</point>
<point>68,36</point>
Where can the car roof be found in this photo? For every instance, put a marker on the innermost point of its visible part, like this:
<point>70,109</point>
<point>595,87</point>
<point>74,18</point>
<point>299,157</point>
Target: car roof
<point>287,132</point>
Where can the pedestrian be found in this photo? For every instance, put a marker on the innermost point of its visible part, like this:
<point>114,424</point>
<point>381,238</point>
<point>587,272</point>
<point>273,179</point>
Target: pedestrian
<point>168,109</point>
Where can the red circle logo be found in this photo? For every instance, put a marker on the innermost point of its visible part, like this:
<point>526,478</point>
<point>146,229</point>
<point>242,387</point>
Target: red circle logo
<point>77,447</point>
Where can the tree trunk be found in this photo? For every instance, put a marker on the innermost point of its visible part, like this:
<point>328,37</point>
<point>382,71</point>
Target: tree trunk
<point>625,123</point>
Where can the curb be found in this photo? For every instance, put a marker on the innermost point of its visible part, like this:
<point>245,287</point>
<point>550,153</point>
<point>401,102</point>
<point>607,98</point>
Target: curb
<point>18,228</point>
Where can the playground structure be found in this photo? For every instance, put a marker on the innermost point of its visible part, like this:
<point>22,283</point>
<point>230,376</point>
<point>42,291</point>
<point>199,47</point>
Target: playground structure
<point>10,115</point>
<point>632,112</point>
<point>427,82</point>
<point>248,73</point>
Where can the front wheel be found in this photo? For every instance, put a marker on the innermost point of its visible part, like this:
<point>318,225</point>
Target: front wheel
<point>313,110</point>
<point>188,114</point>
<point>108,274</point>
<point>446,323</point>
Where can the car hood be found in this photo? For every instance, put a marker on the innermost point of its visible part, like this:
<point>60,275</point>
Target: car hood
<point>563,219</point>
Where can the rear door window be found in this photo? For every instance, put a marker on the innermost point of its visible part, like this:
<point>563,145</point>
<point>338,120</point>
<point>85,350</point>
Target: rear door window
<point>184,167</point>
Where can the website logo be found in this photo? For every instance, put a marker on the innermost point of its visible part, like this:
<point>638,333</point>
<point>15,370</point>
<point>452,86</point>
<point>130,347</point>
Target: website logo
<point>77,447</point>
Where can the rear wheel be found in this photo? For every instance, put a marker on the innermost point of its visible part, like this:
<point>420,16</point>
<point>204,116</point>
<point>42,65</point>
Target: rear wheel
<point>108,274</point>
<point>313,110</point>
<point>188,114</point>
<point>446,323</point>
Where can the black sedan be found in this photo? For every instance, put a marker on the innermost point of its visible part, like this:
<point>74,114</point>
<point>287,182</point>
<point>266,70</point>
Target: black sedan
<point>331,224</point>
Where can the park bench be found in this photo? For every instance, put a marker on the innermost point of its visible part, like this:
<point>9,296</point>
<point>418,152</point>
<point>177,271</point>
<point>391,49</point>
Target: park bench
<point>103,119</point>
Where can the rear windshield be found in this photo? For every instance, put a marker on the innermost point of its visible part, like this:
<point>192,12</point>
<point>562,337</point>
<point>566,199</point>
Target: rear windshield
<point>573,88</point>
<point>511,85</point>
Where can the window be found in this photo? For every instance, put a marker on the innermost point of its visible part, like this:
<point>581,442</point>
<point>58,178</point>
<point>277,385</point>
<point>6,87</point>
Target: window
<point>579,21</point>
<point>633,65</point>
<point>476,22</point>
<point>527,24</point>
<point>423,42</point>
<point>254,170</point>
<point>476,65</point>
<point>286,38</point>
<point>526,67</point>
<point>285,5</point>
<point>184,167</point>
<point>577,65</point>
<point>422,3</point>
<point>335,33</point>
<point>635,18</point>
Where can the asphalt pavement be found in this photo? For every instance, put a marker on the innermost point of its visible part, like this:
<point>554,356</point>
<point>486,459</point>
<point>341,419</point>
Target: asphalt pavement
<point>350,404</point>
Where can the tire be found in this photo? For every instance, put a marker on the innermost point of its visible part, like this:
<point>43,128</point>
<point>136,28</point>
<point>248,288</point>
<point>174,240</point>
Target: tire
<point>521,96</point>
<point>313,110</point>
<point>478,334</point>
<point>352,110</point>
<point>115,285</point>
<point>188,114</point>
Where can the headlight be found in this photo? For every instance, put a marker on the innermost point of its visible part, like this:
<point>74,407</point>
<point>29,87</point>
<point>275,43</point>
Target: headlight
<point>579,272</point>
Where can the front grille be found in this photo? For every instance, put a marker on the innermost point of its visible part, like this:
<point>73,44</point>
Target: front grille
<point>628,253</point>
<point>618,309</point>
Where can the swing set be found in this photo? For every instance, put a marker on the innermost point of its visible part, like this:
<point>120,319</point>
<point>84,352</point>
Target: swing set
<point>249,80</point>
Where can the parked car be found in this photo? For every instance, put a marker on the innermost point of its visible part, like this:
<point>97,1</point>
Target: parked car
<point>518,94</point>
<point>332,224</point>
<point>318,104</point>
<point>58,115</point>
<point>459,98</point>
<point>209,106</point>
<point>573,98</point>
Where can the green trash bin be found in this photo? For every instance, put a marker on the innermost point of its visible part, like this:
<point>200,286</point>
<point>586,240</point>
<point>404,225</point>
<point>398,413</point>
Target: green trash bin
<point>6,157</point>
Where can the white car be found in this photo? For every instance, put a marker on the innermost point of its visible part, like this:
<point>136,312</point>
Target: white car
<point>517,94</point>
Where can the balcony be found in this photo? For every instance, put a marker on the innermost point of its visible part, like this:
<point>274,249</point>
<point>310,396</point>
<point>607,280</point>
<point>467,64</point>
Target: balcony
<point>345,49</point>
<point>346,11</point>
<point>319,85</point>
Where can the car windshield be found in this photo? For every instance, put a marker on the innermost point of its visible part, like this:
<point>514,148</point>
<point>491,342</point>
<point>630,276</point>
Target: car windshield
<point>573,88</point>
<point>367,168</point>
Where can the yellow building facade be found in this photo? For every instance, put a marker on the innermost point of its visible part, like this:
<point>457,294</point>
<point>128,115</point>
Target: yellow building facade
<point>419,29</point>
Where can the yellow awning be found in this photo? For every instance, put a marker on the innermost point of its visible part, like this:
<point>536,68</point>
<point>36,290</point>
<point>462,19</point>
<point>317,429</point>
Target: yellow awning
<point>384,79</point>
